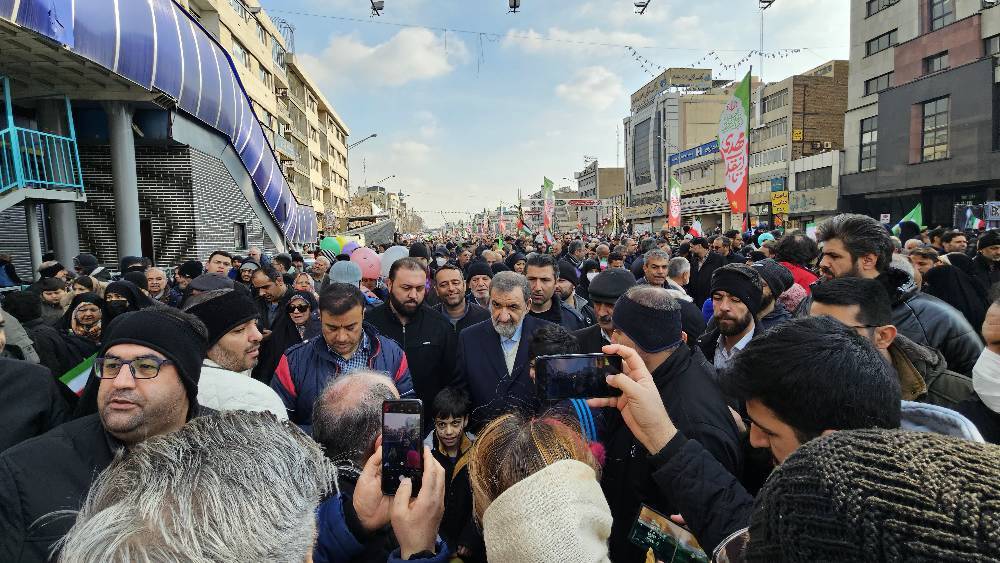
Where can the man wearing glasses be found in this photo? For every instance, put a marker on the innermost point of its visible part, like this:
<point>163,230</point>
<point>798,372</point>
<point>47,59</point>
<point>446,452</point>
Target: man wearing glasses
<point>149,367</point>
<point>863,305</point>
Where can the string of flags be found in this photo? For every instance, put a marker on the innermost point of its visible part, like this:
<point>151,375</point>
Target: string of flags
<point>712,57</point>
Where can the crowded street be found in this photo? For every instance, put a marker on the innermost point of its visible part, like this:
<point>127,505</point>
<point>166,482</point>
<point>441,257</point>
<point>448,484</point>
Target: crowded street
<point>768,334</point>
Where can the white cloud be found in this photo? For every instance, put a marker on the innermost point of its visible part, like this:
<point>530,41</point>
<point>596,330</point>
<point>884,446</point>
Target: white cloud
<point>585,42</point>
<point>410,55</point>
<point>593,87</point>
<point>410,151</point>
<point>427,124</point>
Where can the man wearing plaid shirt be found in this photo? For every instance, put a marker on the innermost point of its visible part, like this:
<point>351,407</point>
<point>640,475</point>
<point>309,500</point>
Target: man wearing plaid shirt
<point>346,344</point>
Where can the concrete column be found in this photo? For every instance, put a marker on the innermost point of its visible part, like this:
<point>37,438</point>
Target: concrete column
<point>34,240</point>
<point>65,232</point>
<point>124,177</point>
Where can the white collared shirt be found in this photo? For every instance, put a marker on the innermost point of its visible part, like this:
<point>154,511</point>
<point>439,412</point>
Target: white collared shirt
<point>724,358</point>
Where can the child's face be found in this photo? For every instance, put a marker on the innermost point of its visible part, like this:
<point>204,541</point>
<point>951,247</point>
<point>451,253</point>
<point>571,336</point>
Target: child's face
<point>449,430</point>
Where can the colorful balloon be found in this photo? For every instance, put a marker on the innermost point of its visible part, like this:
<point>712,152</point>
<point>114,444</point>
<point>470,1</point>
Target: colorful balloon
<point>331,244</point>
<point>369,262</point>
<point>351,246</point>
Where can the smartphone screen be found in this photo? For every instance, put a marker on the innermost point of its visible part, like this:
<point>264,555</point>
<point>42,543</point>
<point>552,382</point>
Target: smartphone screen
<point>576,376</point>
<point>402,444</point>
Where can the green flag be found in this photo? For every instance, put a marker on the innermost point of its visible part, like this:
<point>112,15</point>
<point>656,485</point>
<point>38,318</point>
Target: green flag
<point>916,215</point>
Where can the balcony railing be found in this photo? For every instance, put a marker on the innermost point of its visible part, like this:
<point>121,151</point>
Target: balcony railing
<point>35,159</point>
<point>285,146</point>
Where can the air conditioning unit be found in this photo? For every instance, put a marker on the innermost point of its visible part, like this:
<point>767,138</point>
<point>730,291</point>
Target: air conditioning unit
<point>816,145</point>
<point>827,145</point>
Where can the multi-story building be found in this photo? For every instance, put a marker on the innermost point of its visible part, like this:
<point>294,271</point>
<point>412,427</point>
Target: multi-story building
<point>813,190</point>
<point>921,125</point>
<point>800,116</point>
<point>701,173</point>
<point>606,185</point>
<point>663,122</point>
<point>142,128</point>
<point>303,128</point>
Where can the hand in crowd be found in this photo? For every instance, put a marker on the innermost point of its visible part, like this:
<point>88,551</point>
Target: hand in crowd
<point>640,403</point>
<point>415,521</point>
<point>370,504</point>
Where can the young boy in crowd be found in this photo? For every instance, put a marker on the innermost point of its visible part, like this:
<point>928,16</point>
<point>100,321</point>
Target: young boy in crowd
<point>450,444</point>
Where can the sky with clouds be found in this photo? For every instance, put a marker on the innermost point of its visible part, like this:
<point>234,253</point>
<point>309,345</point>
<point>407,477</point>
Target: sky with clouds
<point>471,103</point>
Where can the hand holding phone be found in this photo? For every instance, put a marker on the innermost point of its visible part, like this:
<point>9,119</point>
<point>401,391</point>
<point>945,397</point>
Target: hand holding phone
<point>402,444</point>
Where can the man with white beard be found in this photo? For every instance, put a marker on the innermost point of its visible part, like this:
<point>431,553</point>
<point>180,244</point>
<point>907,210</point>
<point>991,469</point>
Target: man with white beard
<point>492,364</point>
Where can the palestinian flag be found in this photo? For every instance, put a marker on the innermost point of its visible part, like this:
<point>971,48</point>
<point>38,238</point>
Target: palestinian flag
<point>77,377</point>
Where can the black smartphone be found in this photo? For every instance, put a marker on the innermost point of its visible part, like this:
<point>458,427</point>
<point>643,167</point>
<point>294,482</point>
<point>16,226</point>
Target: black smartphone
<point>402,444</point>
<point>576,376</point>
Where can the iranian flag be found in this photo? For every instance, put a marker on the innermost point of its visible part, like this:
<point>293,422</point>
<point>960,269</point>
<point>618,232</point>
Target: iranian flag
<point>77,377</point>
<point>734,145</point>
<point>695,229</point>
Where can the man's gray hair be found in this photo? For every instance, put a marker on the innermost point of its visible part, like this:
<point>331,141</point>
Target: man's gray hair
<point>677,267</point>
<point>506,282</point>
<point>234,486</point>
<point>347,415</point>
<point>653,297</point>
<point>901,262</point>
<point>656,254</point>
<point>575,245</point>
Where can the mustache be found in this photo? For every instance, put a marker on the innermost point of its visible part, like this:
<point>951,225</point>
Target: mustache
<point>126,395</point>
<point>604,319</point>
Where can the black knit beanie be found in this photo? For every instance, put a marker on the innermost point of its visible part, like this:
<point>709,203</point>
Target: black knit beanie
<point>653,330</point>
<point>167,332</point>
<point>24,306</point>
<point>477,268</point>
<point>741,282</point>
<point>191,269</point>
<point>51,270</point>
<point>988,239</point>
<point>224,313</point>
<point>880,495</point>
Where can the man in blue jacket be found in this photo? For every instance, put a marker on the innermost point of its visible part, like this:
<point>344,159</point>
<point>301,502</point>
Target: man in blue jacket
<point>346,344</point>
<point>493,356</point>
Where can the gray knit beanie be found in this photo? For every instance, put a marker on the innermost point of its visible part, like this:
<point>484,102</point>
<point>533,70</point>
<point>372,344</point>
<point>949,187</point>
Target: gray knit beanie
<point>880,495</point>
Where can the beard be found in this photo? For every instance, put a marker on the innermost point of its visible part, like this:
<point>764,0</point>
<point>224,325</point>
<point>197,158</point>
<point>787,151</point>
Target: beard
<point>234,361</point>
<point>406,308</point>
<point>828,274</point>
<point>729,326</point>
<point>766,300</point>
<point>505,330</point>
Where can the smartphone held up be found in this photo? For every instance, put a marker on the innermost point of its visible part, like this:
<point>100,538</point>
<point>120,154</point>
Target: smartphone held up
<point>402,444</point>
<point>576,376</point>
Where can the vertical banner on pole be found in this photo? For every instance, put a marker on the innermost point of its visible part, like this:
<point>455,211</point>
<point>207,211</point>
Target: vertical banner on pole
<point>734,145</point>
<point>674,217</point>
<point>549,197</point>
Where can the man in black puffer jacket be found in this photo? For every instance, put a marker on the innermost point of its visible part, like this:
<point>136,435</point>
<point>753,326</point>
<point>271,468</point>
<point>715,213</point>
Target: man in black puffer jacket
<point>858,246</point>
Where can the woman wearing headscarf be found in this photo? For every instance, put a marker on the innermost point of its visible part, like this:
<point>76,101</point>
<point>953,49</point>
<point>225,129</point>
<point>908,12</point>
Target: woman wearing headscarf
<point>516,262</point>
<point>588,271</point>
<point>299,323</point>
<point>951,285</point>
<point>122,297</point>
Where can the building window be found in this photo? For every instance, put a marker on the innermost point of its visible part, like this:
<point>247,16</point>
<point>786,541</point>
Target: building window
<point>877,84</point>
<point>942,13</point>
<point>812,179</point>
<point>992,48</point>
<point>240,241</point>
<point>775,101</point>
<point>241,54</point>
<point>778,128</point>
<point>640,153</point>
<point>278,54</point>
<point>936,63</point>
<point>935,132</point>
<point>240,9</point>
<point>770,156</point>
<point>881,43</point>
<point>266,77</point>
<point>875,6</point>
<point>869,141</point>
<point>263,35</point>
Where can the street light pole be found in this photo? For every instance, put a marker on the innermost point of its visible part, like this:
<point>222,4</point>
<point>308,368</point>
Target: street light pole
<point>352,145</point>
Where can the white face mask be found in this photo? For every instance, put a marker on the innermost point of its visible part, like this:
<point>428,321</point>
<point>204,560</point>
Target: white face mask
<point>591,275</point>
<point>986,379</point>
<point>441,261</point>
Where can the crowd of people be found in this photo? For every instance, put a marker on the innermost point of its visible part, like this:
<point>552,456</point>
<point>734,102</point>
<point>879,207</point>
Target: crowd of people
<point>786,396</point>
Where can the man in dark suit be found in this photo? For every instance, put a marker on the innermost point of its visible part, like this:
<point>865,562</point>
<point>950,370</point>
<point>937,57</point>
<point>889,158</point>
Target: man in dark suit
<point>492,364</point>
<point>704,263</point>
<point>605,289</point>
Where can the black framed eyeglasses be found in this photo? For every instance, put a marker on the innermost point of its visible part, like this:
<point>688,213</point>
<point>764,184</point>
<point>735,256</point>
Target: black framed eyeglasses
<point>298,308</point>
<point>143,367</point>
